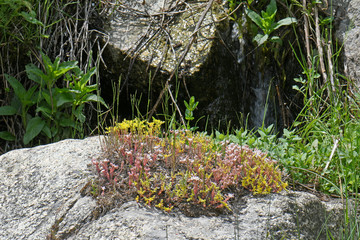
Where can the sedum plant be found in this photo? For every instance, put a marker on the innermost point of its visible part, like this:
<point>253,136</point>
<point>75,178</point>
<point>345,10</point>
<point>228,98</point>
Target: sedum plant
<point>182,167</point>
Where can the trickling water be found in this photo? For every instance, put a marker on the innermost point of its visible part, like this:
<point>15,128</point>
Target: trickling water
<point>255,81</point>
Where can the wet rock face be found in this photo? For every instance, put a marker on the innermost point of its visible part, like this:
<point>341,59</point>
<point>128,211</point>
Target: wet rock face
<point>41,196</point>
<point>347,20</point>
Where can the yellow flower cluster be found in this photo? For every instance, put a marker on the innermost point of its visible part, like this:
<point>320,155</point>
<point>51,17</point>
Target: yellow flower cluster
<point>137,126</point>
<point>263,178</point>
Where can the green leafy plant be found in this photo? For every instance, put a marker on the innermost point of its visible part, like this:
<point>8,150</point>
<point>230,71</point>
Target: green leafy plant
<point>266,22</point>
<point>189,112</point>
<point>17,11</point>
<point>59,112</point>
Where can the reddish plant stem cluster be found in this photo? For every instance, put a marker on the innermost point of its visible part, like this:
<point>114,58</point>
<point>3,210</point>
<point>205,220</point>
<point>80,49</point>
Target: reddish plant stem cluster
<point>184,167</point>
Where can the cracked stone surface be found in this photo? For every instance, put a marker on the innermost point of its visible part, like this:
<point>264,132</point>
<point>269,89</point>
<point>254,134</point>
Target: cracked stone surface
<point>40,188</point>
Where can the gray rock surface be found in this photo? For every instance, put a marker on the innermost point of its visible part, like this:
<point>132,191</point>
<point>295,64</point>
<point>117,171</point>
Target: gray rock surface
<point>40,194</point>
<point>41,185</point>
<point>293,215</point>
<point>347,13</point>
<point>158,32</point>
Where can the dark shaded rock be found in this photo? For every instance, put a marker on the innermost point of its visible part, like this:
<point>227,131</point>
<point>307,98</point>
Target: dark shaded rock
<point>232,78</point>
<point>146,40</point>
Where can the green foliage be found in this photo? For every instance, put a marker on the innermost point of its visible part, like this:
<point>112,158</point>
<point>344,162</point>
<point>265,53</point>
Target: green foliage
<point>59,112</point>
<point>15,12</point>
<point>189,112</point>
<point>183,167</point>
<point>266,22</point>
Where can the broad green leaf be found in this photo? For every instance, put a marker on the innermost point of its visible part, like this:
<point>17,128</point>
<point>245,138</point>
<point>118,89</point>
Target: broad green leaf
<point>66,122</point>
<point>74,91</point>
<point>46,111</point>
<point>271,9</point>
<point>33,128</point>
<point>276,39</point>
<point>79,113</point>
<point>192,100</point>
<point>31,17</point>
<point>234,139</point>
<point>56,64</point>
<point>285,22</point>
<point>63,68</point>
<point>269,129</point>
<point>86,78</point>
<point>47,63</point>
<point>90,88</point>
<point>17,86</point>
<point>7,136</point>
<point>54,130</point>
<point>255,18</point>
<point>46,130</point>
<point>262,133</point>
<point>47,97</point>
<point>7,111</point>
<point>186,104</point>
<point>287,133</point>
<point>96,98</point>
<point>260,39</point>
<point>28,98</point>
<point>35,74</point>
<point>63,98</point>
